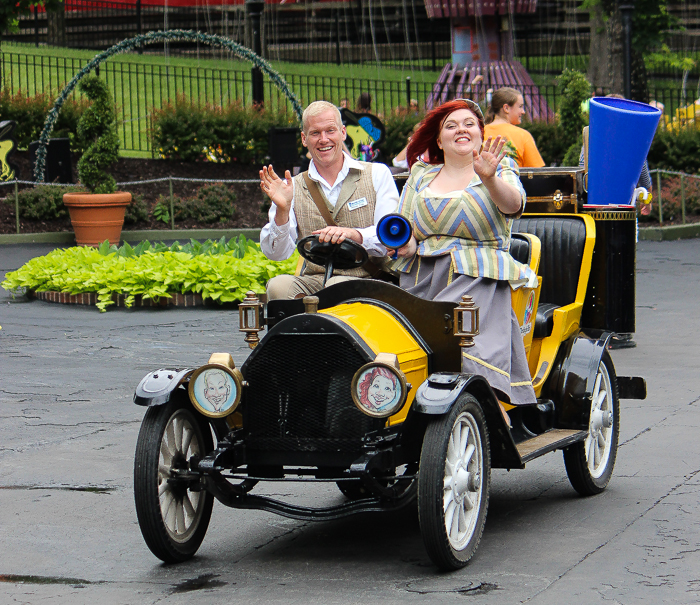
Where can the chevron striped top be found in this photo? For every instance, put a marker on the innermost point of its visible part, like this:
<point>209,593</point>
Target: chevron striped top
<point>466,224</point>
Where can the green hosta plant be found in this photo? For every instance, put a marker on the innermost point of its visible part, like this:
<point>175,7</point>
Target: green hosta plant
<point>223,271</point>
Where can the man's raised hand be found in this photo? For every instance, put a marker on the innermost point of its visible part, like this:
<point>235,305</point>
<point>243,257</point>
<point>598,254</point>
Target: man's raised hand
<point>281,192</point>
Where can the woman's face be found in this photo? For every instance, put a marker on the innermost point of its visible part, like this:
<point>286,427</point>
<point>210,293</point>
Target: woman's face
<point>381,391</point>
<point>460,134</point>
<point>516,111</point>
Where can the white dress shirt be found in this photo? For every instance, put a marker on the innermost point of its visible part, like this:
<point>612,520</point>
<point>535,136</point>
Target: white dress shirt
<point>278,242</point>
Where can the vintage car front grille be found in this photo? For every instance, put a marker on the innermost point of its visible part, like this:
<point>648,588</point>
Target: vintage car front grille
<point>298,395</point>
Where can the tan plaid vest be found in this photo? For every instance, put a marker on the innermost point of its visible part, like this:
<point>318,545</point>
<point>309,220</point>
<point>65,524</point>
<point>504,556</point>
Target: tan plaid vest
<point>357,184</point>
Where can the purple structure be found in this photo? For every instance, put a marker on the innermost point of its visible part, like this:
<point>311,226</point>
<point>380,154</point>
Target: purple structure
<point>482,45</point>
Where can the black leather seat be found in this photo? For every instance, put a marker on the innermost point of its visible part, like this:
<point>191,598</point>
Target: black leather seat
<point>520,249</point>
<point>563,240</point>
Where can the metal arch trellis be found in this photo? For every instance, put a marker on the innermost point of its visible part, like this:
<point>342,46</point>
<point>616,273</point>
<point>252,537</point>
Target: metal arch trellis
<point>152,38</point>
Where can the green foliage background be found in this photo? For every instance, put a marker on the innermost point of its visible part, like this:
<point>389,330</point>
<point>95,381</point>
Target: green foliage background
<point>188,131</point>
<point>222,271</point>
<point>30,114</point>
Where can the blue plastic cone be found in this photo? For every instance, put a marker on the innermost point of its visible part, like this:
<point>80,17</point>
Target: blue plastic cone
<point>621,133</point>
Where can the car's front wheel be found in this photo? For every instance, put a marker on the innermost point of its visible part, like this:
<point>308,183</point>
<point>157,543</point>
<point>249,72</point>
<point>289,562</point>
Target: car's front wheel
<point>453,484</point>
<point>173,512</point>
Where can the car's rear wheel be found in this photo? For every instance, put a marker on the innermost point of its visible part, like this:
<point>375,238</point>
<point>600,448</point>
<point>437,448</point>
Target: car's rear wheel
<point>590,463</point>
<point>453,484</point>
<point>173,514</point>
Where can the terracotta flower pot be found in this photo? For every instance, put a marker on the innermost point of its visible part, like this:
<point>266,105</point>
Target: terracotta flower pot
<point>97,216</point>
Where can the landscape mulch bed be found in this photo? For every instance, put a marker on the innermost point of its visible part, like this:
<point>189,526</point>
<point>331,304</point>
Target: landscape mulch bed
<point>249,203</point>
<point>249,199</point>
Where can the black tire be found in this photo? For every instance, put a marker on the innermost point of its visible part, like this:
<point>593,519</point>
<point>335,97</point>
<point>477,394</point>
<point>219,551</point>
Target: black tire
<point>452,540</point>
<point>173,518</point>
<point>590,463</point>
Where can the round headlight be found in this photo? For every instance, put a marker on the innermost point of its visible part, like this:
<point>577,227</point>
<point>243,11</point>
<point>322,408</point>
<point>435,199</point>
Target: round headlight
<point>379,388</point>
<point>215,389</point>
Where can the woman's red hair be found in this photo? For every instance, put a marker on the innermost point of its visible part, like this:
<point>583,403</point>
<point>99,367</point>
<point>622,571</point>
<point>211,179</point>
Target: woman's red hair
<point>425,138</point>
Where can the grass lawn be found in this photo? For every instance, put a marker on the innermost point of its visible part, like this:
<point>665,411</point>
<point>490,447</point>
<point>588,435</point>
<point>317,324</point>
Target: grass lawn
<point>141,83</point>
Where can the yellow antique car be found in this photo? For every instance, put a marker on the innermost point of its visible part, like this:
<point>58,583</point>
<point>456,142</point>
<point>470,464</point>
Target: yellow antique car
<point>360,387</point>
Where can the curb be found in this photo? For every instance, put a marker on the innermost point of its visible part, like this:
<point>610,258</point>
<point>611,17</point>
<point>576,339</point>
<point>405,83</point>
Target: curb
<point>68,237</point>
<point>662,234</point>
<point>90,299</point>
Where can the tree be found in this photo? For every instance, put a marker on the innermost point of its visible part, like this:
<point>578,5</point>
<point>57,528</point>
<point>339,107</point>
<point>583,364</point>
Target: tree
<point>650,21</point>
<point>11,11</point>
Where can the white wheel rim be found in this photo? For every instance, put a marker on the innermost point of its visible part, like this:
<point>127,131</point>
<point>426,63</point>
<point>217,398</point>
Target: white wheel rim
<point>179,508</point>
<point>463,481</point>
<point>598,442</point>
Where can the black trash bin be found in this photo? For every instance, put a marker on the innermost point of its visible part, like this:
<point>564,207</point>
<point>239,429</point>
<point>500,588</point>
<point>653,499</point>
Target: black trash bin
<point>58,167</point>
<point>284,149</point>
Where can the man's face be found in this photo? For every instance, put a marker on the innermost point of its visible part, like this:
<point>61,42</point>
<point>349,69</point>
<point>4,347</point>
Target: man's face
<point>324,139</point>
<point>216,390</point>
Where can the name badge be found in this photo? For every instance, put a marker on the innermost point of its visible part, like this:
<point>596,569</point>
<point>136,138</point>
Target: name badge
<point>355,204</point>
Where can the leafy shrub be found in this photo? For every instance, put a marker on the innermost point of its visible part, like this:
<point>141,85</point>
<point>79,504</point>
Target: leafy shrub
<point>575,89</point>
<point>398,127</point>
<point>551,141</point>
<point>220,271</point>
<point>213,203</point>
<point>671,199</point>
<point>43,203</point>
<point>161,211</point>
<point>190,132</point>
<point>97,133</point>
<point>137,211</point>
<point>676,150</point>
<point>30,114</point>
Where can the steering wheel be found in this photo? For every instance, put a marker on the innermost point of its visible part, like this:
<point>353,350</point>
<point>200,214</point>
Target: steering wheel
<point>345,255</point>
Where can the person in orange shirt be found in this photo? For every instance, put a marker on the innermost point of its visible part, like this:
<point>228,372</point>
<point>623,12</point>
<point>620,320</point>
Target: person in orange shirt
<point>503,115</point>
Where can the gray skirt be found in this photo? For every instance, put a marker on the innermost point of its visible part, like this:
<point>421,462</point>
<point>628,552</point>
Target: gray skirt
<point>498,353</point>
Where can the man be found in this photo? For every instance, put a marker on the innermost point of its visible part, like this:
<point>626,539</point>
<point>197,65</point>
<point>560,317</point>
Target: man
<point>356,195</point>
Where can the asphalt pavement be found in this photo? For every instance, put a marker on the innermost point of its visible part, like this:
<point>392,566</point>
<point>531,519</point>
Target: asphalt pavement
<point>68,429</point>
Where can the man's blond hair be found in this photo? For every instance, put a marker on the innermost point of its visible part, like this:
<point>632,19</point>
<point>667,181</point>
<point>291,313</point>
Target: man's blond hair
<point>316,108</point>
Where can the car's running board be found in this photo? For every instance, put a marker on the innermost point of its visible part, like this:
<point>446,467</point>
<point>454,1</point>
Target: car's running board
<point>554,439</point>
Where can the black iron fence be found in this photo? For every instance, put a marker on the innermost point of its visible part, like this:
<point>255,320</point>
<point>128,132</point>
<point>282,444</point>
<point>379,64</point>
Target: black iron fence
<point>139,88</point>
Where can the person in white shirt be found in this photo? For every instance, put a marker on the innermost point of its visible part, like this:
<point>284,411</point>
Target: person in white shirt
<point>356,194</point>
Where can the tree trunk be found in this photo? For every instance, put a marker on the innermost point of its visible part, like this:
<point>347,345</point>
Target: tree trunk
<point>56,26</point>
<point>606,64</point>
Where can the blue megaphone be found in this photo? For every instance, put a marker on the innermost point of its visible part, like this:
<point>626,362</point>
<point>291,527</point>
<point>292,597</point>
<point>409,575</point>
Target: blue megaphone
<point>394,231</point>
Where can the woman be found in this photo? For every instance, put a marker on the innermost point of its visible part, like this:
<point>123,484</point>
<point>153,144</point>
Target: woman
<point>503,115</point>
<point>461,206</point>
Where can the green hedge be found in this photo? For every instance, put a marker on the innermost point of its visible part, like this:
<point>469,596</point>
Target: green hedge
<point>676,150</point>
<point>30,114</point>
<point>189,132</point>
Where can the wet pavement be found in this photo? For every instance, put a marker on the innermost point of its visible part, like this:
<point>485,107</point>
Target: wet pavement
<point>68,429</point>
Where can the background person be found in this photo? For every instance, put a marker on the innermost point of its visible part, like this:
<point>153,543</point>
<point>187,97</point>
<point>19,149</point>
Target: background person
<point>505,111</point>
<point>364,103</point>
<point>461,206</point>
<point>356,195</point>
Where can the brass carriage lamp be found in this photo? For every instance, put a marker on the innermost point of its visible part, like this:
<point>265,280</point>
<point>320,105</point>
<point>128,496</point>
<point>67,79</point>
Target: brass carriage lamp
<point>466,321</point>
<point>250,311</point>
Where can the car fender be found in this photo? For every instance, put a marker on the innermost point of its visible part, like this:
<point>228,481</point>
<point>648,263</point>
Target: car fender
<point>573,383</point>
<point>437,395</point>
<point>156,387</point>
